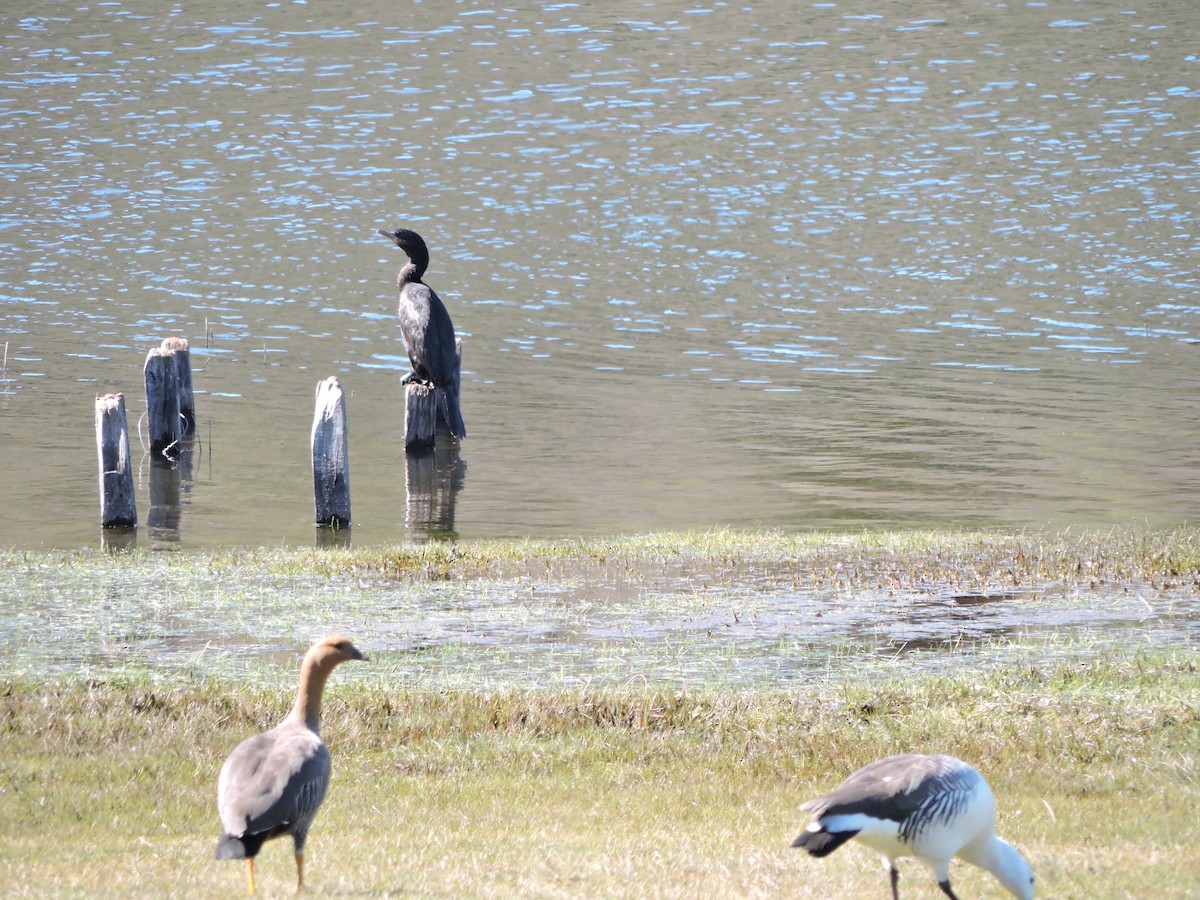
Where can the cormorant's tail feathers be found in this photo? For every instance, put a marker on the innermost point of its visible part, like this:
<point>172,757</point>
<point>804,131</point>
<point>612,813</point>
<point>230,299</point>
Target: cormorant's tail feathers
<point>451,412</point>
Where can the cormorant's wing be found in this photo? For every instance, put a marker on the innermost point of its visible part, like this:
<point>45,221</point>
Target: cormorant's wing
<point>415,303</point>
<point>440,354</point>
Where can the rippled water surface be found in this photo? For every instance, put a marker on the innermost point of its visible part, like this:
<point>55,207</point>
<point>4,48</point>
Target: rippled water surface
<point>798,264</point>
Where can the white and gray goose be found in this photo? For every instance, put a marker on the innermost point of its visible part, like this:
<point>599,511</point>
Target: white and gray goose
<point>930,807</point>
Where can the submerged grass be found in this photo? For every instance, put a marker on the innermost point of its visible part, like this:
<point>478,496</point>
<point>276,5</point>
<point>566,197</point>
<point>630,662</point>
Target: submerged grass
<point>711,607</point>
<point>108,785</point>
<point>957,556</point>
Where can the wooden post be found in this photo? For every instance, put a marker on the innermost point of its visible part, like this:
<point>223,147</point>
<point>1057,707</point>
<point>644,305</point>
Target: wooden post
<point>425,406</point>
<point>118,507</point>
<point>331,461</point>
<point>420,418</point>
<point>178,350</point>
<point>162,404</point>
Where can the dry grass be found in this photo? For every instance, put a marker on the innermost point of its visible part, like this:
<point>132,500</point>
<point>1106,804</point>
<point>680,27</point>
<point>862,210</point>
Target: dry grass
<point>108,787</point>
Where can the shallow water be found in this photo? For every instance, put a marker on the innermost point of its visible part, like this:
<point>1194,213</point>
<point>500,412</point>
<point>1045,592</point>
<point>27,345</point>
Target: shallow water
<point>758,627</point>
<point>814,265</point>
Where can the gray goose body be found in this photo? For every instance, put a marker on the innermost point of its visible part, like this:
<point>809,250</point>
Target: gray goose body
<point>272,784</point>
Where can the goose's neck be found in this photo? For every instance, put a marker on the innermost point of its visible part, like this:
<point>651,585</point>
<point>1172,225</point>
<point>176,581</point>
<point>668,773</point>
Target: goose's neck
<point>307,708</point>
<point>1004,861</point>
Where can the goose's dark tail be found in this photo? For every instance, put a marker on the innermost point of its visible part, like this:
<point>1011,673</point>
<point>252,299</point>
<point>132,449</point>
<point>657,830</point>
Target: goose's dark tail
<point>822,843</point>
<point>230,847</point>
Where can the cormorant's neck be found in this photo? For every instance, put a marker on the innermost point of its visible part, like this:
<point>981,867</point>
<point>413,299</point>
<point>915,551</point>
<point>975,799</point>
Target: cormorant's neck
<point>411,273</point>
<point>418,262</point>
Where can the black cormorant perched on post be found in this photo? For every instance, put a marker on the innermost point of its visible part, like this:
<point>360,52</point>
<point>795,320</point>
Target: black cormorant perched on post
<point>427,329</point>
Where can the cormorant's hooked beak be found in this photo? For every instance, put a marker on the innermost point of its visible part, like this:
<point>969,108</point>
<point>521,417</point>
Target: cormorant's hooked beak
<point>387,234</point>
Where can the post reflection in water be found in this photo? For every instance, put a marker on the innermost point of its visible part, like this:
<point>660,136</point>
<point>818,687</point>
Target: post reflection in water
<point>170,479</point>
<point>331,536</point>
<point>432,482</point>
<point>118,540</point>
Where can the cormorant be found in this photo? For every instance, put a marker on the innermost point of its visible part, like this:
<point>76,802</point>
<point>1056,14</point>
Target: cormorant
<point>427,329</point>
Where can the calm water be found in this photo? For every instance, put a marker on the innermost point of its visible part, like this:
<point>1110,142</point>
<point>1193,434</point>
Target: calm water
<point>797,265</point>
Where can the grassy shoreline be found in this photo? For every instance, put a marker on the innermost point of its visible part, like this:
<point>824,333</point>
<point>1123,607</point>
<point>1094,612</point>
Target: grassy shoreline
<point>622,788</point>
<point>959,555</point>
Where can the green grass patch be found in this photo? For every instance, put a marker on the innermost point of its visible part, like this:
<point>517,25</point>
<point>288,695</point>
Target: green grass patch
<point>962,556</point>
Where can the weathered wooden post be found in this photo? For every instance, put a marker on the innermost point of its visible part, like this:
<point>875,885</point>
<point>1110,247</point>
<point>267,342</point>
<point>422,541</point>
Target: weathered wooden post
<point>424,407</point>
<point>162,403</point>
<point>420,418</point>
<point>179,351</point>
<point>118,506</point>
<point>331,460</point>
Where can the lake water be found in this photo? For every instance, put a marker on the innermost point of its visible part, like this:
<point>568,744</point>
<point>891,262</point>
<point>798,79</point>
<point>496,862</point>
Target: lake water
<point>798,265</point>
